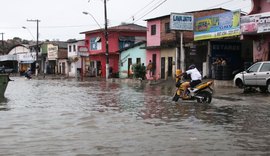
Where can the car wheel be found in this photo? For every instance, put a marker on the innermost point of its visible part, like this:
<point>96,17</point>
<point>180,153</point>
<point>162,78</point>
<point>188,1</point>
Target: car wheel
<point>239,83</point>
<point>263,89</point>
<point>268,87</point>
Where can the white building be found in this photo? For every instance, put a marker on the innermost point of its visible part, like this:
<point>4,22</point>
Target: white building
<point>78,58</point>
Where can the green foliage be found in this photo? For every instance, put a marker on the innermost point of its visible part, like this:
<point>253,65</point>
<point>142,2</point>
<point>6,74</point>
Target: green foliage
<point>139,71</point>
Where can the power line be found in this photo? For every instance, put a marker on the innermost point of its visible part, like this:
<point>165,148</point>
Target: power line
<point>217,5</point>
<point>68,26</point>
<point>51,27</point>
<point>133,16</point>
<point>151,10</point>
<point>230,5</point>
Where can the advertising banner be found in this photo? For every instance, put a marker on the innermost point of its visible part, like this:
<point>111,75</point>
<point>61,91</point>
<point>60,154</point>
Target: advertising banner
<point>217,26</point>
<point>181,22</point>
<point>52,52</point>
<point>256,23</point>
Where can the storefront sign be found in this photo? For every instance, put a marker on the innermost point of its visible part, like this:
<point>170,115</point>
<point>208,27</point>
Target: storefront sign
<point>256,23</point>
<point>52,52</point>
<point>8,57</point>
<point>181,22</point>
<point>83,51</point>
<point>217,26</point>
<point>24,57</point>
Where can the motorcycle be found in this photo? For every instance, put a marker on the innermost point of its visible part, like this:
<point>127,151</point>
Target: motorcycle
<point>202,92</point>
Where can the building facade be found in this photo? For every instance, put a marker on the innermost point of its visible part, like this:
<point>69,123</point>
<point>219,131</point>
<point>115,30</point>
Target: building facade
<point>163,46</point>
<point>119,37</point>
<point>135,54</point>
<point>78,59</point>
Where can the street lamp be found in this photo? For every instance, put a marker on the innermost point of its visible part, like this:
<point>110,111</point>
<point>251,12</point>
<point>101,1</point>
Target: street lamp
<point>87,13</point>
<point>28,31</point>
<point>37,47</point>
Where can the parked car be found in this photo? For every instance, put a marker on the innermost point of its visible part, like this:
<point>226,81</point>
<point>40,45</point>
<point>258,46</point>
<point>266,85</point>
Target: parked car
<point>257,75</point>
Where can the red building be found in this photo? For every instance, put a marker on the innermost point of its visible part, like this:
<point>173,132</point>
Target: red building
<point>118,37</point>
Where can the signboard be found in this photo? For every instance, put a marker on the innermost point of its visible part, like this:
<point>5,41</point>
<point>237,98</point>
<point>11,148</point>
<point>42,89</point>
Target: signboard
<point>52,52</point>
<point>83,51</point>
<point>8,58</point>
<point>181,21</point>
<point>217,26</point>
<point>256,23</point>
<point>26,57</point>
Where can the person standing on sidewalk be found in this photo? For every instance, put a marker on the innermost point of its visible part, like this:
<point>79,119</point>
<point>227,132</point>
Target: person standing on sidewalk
<point>150,68</point>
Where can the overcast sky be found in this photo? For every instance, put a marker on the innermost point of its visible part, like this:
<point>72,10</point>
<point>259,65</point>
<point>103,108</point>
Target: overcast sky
<point>63,19</point>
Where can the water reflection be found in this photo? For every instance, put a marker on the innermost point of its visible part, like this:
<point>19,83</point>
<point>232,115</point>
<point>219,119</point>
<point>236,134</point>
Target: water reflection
<point>69,117</point>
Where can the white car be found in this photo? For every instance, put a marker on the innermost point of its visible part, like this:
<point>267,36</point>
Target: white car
<point>257,75</point>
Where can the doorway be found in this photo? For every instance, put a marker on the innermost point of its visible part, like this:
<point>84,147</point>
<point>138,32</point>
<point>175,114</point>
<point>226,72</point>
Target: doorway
<point>129,67</point>
<point>154,61</point>
<point>170,65</point>
<point>99,68</point>
<point>162,67</point>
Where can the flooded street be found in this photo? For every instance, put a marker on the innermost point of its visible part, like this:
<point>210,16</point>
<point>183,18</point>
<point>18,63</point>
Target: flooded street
<point>73,118</point>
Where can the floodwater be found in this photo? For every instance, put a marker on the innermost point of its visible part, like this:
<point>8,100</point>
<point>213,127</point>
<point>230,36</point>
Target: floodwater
<point>84,118</point>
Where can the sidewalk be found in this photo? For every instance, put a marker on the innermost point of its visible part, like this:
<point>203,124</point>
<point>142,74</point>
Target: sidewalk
<point>216,84</point>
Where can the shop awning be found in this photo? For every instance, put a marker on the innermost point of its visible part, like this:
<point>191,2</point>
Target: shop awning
<point>8,58</point>
<point>27,62</point>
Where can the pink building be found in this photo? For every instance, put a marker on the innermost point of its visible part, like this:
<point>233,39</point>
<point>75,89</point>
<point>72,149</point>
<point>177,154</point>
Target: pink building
<point>153,53</point>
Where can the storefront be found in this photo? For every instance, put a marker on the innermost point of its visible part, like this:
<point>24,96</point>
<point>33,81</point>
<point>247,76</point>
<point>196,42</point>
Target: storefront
<point>222,32</point>
<point>26,61</point>
<point>52,59</point>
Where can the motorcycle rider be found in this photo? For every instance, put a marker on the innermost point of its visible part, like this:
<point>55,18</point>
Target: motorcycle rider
<point>196,78</point>
<point>28,73</point>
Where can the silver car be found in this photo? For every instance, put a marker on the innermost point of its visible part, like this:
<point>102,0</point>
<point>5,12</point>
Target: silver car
<point>257,75</point>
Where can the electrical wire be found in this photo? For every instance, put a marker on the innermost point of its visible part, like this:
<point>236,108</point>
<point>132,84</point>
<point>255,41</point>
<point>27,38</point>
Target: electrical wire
<point>230,5</point>
<point>150,11</point>
<point>218,5</point>
<point>133,16</point>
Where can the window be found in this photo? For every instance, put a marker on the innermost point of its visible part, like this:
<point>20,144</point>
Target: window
<point>126,41</point>
<point>254,68</point>
<point>74,48</point>
<point>167,27</point>
<point>69,48</point>
<point>265,67</point>
<point>138,60</point>
<point>153,29</point>
<point>95,43</point>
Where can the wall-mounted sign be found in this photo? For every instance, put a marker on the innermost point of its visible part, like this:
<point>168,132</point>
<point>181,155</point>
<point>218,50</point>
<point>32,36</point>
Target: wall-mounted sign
<point>181,21</point>
<point>52,52</point>
<point>83,51</point>
<point>256,23</point>
<point>217,26</point>
<point>26,57</point>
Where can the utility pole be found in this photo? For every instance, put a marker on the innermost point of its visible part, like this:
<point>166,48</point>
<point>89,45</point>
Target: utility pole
<point>2,39</point>
<point>37,45</point>
<point>106,38</point>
